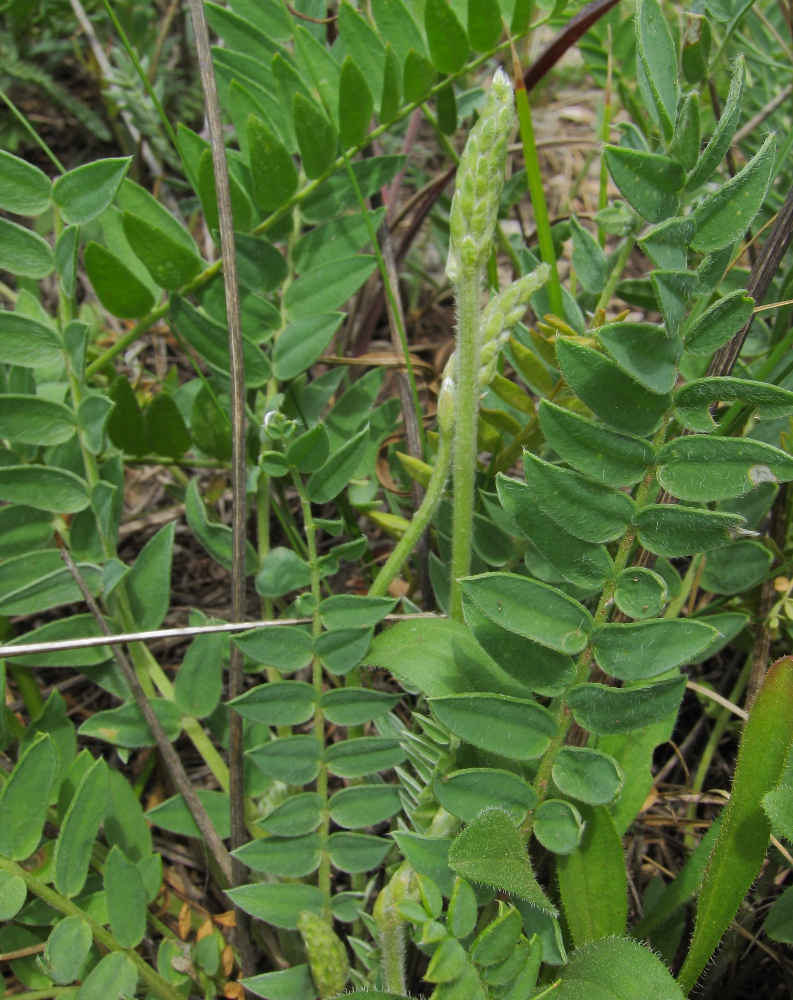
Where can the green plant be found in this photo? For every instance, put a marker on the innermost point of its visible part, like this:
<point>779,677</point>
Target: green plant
<point>471,819</point>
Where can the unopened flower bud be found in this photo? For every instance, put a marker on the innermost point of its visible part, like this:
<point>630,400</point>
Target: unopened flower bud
<point>276,426</point>
<point>480,179</point>
<point>327,956</point>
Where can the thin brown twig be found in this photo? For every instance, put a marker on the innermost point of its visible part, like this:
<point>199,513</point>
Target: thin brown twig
<point>305,17</point>
<point>170,757</point>
<point>238,472</point>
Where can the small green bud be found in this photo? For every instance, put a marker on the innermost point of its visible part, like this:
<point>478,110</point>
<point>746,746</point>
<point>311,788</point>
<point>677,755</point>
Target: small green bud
<point>327,956</point>
<point>276,426</point>
<point>480,179</point>
<point>446,398</point>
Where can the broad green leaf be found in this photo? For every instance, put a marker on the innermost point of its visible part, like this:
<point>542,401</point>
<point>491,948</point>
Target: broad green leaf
<point>356,104</point>
<point>695,56</point>
<point>166,431</point>
<point>285,647</point>
<point>261,268</point>
<point>24,189</point>
<point>125,426</point>
<point>315,293</point>
<point>737,567</point>
<point>282,571</point>
<point>640,593</point>
<point>23,529</point>
<point>721,139</point>
<point>604,710</point>
<point>355,706</point>
<point>357,852</point>
<point>215,537</point>
<point>616,968</point>
<point>170,263</point>
<point>44,488</point>
<point>665,244</point>
<point>315,137</point>
<point>728,626</point>
<point>139,202</point>
<point>693,400</point>
<point>13,893</point>
<point>86,192</point>
<point>484,24</point>
<point>738,853</point>
<point>392,87</point>
<point>148,583</point>
<point>585,508</point>
<point>438,657</point>
<point>329,480</point>
<point>308,451</point>
<point>337,194</point>
<point>536,667</point>
<point>364,805</point>
<point>429,856</point>
<point>513,727</point>
<point>726,214</point>
<point>641,650</point>
<point>497,942</point>
<point>174,816</point>
<point>33,420</point>
<point>279,905</point>
<point>115,976</point>
<point>125,726</point>
<point>67,948</point>
<point>27,343</point>
<point>611,394</point>
<point>126,899</point>
<point>589,260</point>
<point>25,797</point>
<point>779,922</point>
<point>274,174</point>
<point>351,610</point>
<point>587,775</point>
<point>334,240</point>
<point>712,269</point>
<point>674,531</point>
<point>448,43</point>
<point>315,62</point>
<point>289,857</point>
<point>467,793</point>
<point>646,352</point>
<point>658,58</point>
<point>616,459</point>
<point>117,288</point>
<point>580,562</point>
<point>79,829</point>
<point>463,911</point>
<point>716,468</point>
<point>358,757</point>
<point>125,823</point>
<point>291,984</point>
<point>396,22</point>
<point>448,963</point>
<point>673,290</point>
<point>241,34</point>
<point>685,144</point>
<point>648,181</point>
<point>277,703</point>
<point>210,339</point>
<point>199,682</point>
<point>24,253</point>
<point>531,609</point>
<point>558,826</point>
<point>420,76</point>
<point>718,324</point>
<point>593,882</point>
<point>297,815</point>
<point>491,851</point>
<point>291,759</point>
<point>363,45</point>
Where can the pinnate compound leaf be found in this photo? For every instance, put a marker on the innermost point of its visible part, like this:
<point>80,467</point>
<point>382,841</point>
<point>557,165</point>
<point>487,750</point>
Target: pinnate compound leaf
<point>611,394</point>
<point>291,759</point>
<point>720,140</point>
<point>329,480</point>
<point>44,488</point>
<point>613,458</point>
<point>24,799</point>
<point>274,174</point>
<point>646,352</point>
<point>327,287</point>
<point>79,829</point>
<point>665,244</point>
<point>215,537</point>
<point>718,324</point>
<point>356,104</point>
<point>490,851</point>
<point>640,593</point>
<point>616,968</point>
<point>392,87</point>
<point>289,857</point>
<point>531,609</point>
<point>484,24</point>
<point>674,531</point>
<point>291,984</point>
<point>740,848</point>
<point>641,650</point>
<point>737,567</point>
<point>513,727</point>
<point>23,252</point>
<point>315,136</point>
<point>593,882</point>
<point>26,342</point>
<point>33,420</point>
<point>648,181</point>
<point>170,263</point>
<point>419,75</point>
<point>24,189</point>
<point>364,755</point>
<point>467,793</point>
<point>587,775</point>
<point>558,825</point>
<point>174,816</point>
<point>277,703</point>
<point>284,647</point>
<point>658,58</point>
<point>67,948</point>
<point>606,710</point>
<point>115,976</point>
<point>584,507</point>
<point>126,899</point>
<point>86,192</point>
<point>726,214</point>
<point>693,400</point>
<point>717,468</point>
<point>279,905</point>
<point>589,259</point>
<point>120,291</point>
<point>210,339</point>
<point>13,893</point>
<point>446,37</point>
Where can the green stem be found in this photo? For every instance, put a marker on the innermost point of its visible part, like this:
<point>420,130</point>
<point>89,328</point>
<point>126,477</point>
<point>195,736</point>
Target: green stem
<point>675,606</point>
<point>28,688</point>
<point>63,905</point>
<point>469,294</point>
<point>419,521</point>
<point>616,274</point>
<point>32,132</point>
<point>537,194</point>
